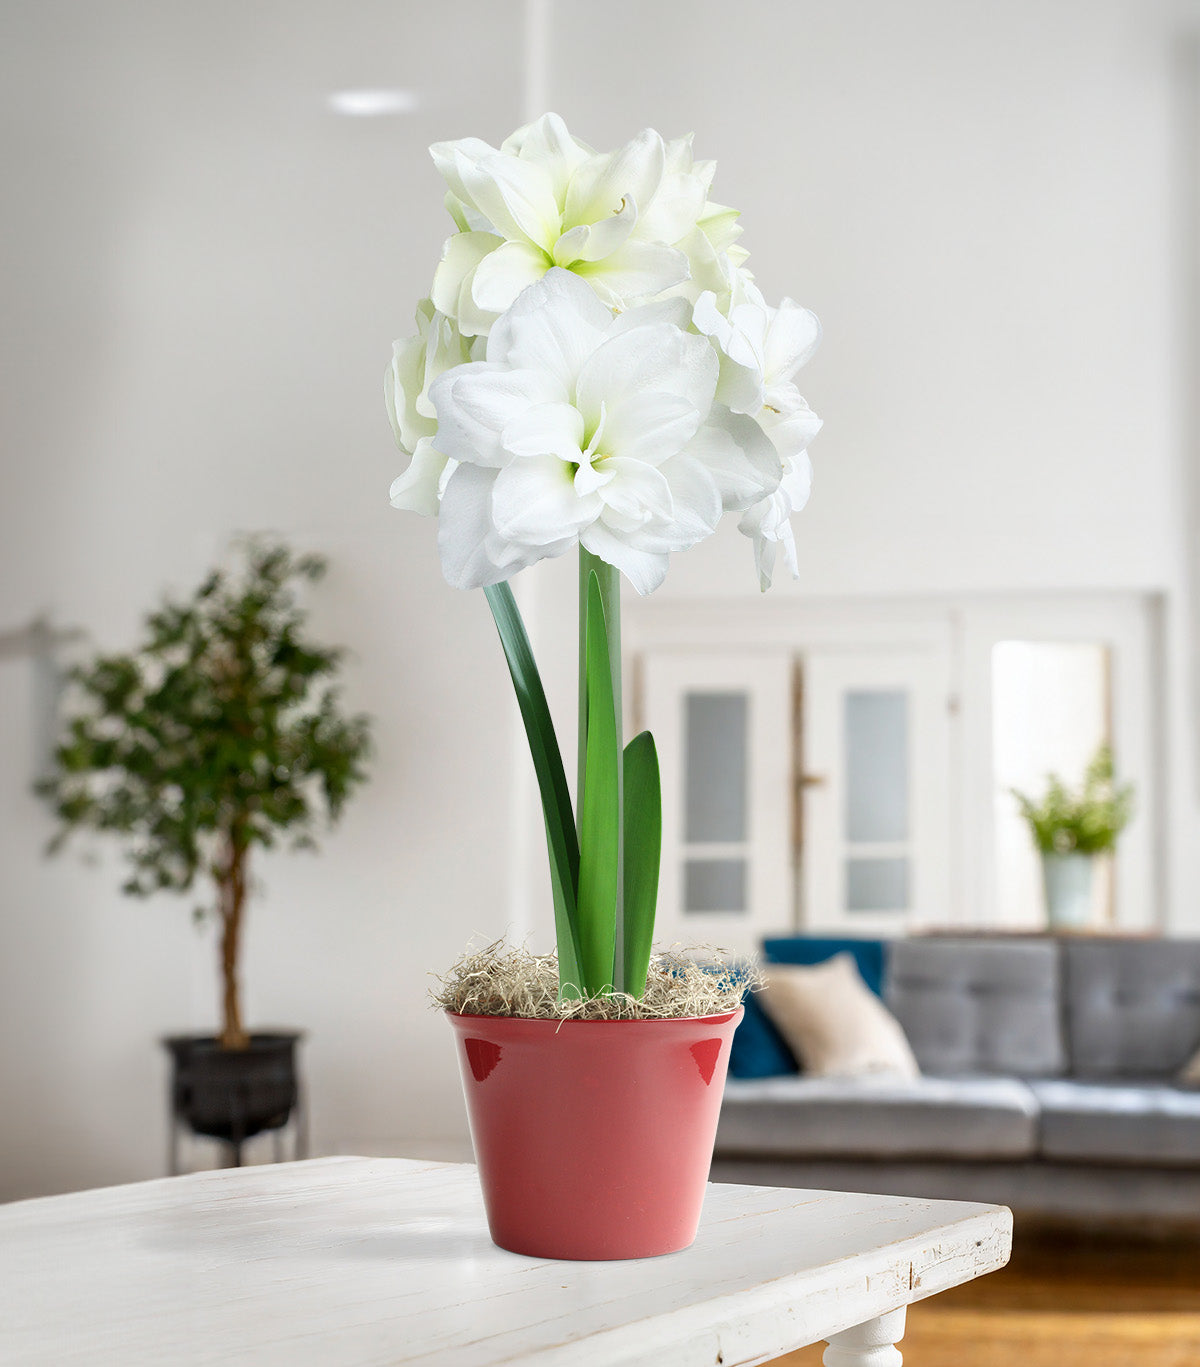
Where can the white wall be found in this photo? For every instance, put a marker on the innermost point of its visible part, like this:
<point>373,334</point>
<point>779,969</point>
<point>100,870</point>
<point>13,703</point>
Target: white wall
<point>205,272</point>
<point>982,203</point>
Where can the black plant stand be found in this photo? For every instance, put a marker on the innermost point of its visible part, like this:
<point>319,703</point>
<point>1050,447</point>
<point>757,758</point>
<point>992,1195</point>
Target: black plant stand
<point>234,1094</point>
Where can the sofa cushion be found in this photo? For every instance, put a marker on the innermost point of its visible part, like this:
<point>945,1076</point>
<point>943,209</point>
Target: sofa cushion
<point>971,1006</point>
<point>1132,1006</point>
<point>758,1049</point>
<point>927,1117</point>
<point>1118,1122</point>
<point>832,1021</point>
<point>815,949</point>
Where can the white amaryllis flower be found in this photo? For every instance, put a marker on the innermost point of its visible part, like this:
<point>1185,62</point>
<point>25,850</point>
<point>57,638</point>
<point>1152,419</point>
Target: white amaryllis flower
<point>582,428</point>
<point>634,223</point>
<point>416,363</point>
<point>760,349</point>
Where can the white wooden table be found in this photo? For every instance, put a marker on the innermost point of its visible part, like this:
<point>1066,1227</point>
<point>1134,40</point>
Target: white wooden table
<point>365,1262</point>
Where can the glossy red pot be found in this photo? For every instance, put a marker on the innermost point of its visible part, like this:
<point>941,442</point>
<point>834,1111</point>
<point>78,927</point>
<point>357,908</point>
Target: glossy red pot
<point>593,1138</point>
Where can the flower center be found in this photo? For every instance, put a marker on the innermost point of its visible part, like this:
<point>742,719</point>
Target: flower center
<point>590,474</point>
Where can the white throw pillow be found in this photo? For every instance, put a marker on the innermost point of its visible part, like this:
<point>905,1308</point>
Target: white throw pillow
<point>834,1024</point>
<point>1189,1074</point>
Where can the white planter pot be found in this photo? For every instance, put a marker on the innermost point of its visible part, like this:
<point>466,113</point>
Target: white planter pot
<point>1068,882</point>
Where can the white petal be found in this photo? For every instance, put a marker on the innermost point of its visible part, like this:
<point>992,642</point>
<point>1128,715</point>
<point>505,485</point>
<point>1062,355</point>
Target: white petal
<point>515,196</point>
<point>464,524</point>
<point>460,256</point>
<point>602,182</point>
<point>720,226</point>
<point>677,312</point>
<point>635,271</point>
<point>740,387</point>
<point>417,488</point>
<point>645,570</point>
<point>764,561</point>
<point>650,426</point>
<point>472,552</point>
<point>787,420</point>
<point>445,347</point>
<point>709,319</point>
<point>792,337</point>
<point>677,204</point>
<point>447,155</point>
<point>401,388</point>
<point>554,325</point>
<point>590,478</point>
<point>708,268</point>
<point>534,502</point>
<point>636,494</point>
<point>504,273</point>
<point>796,485</point>
<point>546,429</point>
<point>657,358</point>
<point>697,508</point>
<point>476,402</point>
<point>767,524</point>
<point>467,219</point>
<point>591,242</point>
<point>736,452</point>
<point>548,142</point>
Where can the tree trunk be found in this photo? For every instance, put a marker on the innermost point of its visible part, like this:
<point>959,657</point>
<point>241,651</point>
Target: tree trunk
<point>233,902</point>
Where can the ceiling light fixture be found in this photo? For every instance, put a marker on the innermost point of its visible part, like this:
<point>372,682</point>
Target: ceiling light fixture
<point>373,104</point>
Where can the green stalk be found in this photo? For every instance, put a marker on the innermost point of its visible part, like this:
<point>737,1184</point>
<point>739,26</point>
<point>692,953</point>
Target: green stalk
<point>609,581</point>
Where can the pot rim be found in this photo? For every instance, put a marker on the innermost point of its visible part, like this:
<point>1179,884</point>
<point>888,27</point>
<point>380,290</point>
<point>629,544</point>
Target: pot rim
<point>717,1018</point>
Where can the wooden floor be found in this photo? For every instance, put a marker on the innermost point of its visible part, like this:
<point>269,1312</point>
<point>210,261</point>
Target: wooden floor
<point>1066,1300</point>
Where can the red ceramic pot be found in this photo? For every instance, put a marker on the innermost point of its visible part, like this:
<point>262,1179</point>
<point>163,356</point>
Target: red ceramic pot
<point>593,1138</point>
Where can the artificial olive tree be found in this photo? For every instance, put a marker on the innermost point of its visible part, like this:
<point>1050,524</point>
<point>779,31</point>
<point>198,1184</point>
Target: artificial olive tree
<point>221,731</point>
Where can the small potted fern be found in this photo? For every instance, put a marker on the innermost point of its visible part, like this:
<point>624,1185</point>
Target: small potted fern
<point>221,732</point>
<point>1070,829</point>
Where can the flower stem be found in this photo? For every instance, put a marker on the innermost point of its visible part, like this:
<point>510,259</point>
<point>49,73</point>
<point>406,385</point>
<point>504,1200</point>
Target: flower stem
<point>610,593</point>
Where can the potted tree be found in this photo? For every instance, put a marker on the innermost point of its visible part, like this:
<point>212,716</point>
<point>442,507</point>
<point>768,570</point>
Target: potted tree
<point>594,371</point>
<point>221,731</point>
<point>1070,830</point>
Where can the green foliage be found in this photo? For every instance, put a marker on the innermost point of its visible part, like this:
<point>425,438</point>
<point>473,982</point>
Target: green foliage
<point>599,807</point>
<point>561,839</point>
<point>1087,821</point>
<point>603,871</point>
<point>643,852</point>
<point>220,731</point>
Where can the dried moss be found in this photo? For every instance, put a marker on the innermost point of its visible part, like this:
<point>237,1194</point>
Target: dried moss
<point>502,980</point>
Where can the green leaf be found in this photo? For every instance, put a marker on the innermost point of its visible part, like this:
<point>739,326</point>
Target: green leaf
<point>599,810</point>
<point>570,980</point>
<point>561,839</point>
<point>643,850</point>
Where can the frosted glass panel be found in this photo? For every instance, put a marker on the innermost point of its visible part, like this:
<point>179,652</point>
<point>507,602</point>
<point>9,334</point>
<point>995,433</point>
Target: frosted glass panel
<point>876,730</point>
<point>876,884</point>
<point>714,885</point>
<point>715,778</point>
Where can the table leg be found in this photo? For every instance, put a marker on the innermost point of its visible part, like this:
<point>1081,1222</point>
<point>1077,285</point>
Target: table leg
<point>868,1345</point>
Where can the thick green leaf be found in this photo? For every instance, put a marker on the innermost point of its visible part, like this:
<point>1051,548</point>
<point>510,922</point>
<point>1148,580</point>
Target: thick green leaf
<point>599,808</point>
<point>643,850</point>
<point>561,839</point>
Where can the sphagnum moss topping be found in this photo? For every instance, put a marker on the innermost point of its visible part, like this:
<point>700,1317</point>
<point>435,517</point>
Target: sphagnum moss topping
<point>500,980</point>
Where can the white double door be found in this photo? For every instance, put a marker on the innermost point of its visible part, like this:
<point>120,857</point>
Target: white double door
<point>806,788</point>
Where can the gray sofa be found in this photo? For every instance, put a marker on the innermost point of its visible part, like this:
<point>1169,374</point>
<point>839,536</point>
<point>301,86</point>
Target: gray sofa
<point>1049,1084</point>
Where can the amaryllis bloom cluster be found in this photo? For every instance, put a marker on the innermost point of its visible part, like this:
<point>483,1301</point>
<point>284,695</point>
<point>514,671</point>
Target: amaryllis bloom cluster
<point>595,365</point>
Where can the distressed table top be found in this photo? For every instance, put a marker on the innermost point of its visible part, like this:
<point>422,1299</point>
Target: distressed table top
<point>357,1262</point>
